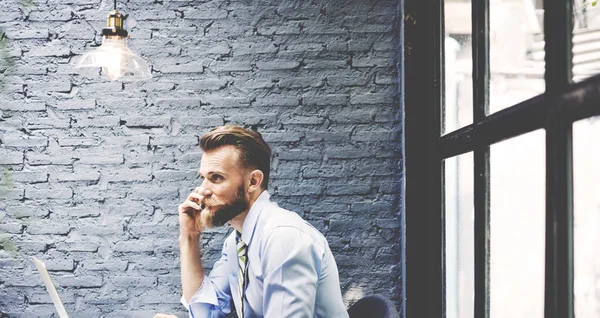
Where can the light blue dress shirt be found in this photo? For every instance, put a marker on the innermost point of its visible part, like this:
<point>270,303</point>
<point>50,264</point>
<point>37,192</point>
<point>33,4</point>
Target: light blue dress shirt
<point>291,270</point>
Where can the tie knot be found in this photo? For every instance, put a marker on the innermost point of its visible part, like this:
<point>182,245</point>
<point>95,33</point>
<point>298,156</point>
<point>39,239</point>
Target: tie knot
<point>238,238</point>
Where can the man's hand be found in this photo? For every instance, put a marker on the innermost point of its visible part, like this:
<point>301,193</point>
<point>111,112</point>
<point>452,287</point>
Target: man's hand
<point>164,316</point>
<point>189,214</point>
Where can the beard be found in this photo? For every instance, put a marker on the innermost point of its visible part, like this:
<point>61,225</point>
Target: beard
<point>217,215</point>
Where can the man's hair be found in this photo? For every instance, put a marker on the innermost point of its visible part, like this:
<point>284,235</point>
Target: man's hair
<point>253,150</point>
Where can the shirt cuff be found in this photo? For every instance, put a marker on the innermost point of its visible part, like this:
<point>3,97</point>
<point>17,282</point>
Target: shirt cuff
<point>202,301</point>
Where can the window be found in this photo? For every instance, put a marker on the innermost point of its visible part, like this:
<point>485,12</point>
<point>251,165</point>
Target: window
<point>494,99</point>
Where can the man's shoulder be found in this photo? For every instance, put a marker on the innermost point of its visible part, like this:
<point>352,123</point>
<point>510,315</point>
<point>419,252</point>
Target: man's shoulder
<point>278,218</point>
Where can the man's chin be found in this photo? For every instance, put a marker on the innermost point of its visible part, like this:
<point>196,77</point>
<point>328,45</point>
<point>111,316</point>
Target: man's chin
<point>210,219</point>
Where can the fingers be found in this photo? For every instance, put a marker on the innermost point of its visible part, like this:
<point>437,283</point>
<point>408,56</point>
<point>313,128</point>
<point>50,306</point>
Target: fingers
<point>164,316</point>
<point>195,197</point>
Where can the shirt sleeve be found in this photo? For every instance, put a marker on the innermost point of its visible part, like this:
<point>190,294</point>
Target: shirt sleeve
<point>213,298</point>
<point>291,265</point>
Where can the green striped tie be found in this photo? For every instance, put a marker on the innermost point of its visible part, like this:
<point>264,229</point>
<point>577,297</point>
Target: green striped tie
<point>242,251</point>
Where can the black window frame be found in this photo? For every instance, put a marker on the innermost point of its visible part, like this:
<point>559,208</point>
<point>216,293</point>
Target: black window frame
<point>563,103</point>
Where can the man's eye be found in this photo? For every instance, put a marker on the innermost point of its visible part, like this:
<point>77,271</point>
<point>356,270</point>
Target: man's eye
<point>216,177</point>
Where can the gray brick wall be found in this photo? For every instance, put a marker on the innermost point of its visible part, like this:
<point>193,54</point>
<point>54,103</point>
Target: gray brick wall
<point>91,171</point>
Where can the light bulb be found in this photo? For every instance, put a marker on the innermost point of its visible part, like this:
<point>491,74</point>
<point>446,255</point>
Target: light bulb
<point>113,59</point>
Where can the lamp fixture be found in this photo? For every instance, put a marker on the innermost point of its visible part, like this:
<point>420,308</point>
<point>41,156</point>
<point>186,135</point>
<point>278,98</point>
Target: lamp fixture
<point>113,58</point>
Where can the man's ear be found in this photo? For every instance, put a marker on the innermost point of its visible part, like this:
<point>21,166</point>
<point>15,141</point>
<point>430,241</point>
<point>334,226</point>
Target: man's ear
<point>256,178</point>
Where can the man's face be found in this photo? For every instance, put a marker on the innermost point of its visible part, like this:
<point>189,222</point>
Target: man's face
<point>223,185</point>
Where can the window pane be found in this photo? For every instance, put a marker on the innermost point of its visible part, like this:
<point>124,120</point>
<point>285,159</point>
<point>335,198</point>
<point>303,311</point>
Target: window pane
<point>586,182</point>
<point>517,226</point>
<point>459,236</point>
<point>586,39</point>
<point>516,52</point>
<point>458,108</point>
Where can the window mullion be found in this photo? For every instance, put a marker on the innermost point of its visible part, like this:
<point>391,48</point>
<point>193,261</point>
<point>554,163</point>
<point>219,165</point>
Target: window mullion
<point>558,30</point>
<point>481,82</point>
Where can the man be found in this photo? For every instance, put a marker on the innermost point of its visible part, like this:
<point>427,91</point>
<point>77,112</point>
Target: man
<point>274,264</point>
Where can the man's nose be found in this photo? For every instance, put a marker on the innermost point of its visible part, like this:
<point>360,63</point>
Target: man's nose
<point>204,189</point>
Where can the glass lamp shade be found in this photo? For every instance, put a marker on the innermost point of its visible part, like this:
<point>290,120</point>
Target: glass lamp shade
<point>114,60</point>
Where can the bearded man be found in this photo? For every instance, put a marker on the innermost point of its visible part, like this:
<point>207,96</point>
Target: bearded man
<point>274,264</point>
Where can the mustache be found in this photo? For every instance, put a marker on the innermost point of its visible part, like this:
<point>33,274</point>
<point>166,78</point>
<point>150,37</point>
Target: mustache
<point>210,202</point>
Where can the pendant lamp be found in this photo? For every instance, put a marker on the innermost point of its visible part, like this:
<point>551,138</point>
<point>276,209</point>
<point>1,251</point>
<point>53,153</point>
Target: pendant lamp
<point>113,59</point>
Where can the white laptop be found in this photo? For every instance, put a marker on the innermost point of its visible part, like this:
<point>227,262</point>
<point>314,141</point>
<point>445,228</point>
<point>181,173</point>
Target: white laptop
<point>62,313</point>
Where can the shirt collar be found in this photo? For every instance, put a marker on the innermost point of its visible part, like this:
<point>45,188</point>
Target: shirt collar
<point>252,216</point>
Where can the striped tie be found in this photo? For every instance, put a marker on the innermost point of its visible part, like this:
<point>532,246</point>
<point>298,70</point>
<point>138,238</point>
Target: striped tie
<point>242,250</point>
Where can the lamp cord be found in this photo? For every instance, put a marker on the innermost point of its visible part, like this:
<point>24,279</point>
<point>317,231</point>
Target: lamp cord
<point>115,4</point>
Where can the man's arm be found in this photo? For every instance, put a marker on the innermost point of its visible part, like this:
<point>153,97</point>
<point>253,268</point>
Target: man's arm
<point>291,265</point>
<point>192,272</point>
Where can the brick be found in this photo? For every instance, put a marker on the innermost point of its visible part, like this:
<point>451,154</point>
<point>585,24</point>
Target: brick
<point>174,175</point>
<point>246,120</point>
<point>225,101</point>
<point>354,116</point>
<point>51,50</point>
<point>11,194</point>
<point>100,121</point>
<point>47,123</point>
<point>202,121</point>
<point>20,34</point>
<point>30,177</point>
<point>321,64</point>
<point>179,103</point>
<point>78,281</point>
<point>174,140</point>
<point>347,189</point>
<point>24,141</point>
<point>126,141</point>
<point>347,81</point>
<point>42,89</point>
<point>193,68</point>
<point>23,106</point>
<point>300,190</point>
<point>11,157</point>
<point>328,136</point>
<point>374,135</point>
<point>41,159</point>
<point>282,137</point>
<point>60,265</point>
<point>45,228</point>
<point>77,247</point>
<point>126,281</point>
<point>105,265</point>
<point>66,142</point>
<point>130,175</point>
<point>277,100</point>
<point>372,62</point>
<point>153,193</point>
<point>202,85</point>
<point>277,65</point>
<point>303,120</point>
<point>302,81</point>
<point>371,99</point>
<point>31,246</point>
<point>19,212</point>
<point>231,67</point>
<point>79,175</point>
<point>54,15</point>
<point>347,153</point>
<point>146,122</point>
<point>13,228</point>
<point>326,100</point>
<point>101,160</point>
<point>50,193</point>
<point>73,104</point>
<point>306,154</point>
